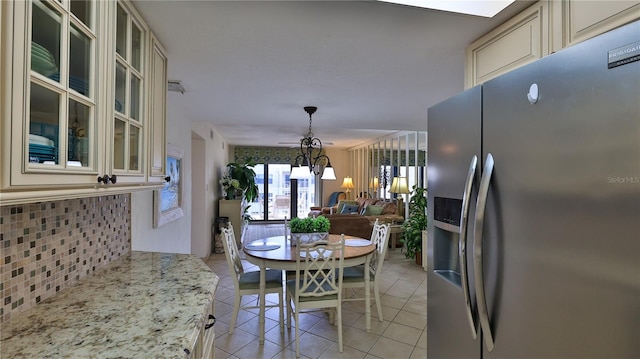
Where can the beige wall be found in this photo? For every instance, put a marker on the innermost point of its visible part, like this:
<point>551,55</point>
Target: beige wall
<point>173,237</point>
<point>214,162</point>
<point>339,162</point>
<point>176,236</point>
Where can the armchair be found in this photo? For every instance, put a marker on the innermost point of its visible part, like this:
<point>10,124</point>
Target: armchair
<point>333,203</point>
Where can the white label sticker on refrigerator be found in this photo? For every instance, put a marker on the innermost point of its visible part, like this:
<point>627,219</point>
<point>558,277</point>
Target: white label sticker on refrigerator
<point>624,55</point>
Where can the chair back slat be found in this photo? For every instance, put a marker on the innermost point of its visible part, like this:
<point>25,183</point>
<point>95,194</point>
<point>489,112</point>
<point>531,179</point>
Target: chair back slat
<point>231,250</point>
<point>318,263</point>
<point>380,238</point>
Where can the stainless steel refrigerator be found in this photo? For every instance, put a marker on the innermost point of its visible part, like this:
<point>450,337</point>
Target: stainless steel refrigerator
<point>534,209</point>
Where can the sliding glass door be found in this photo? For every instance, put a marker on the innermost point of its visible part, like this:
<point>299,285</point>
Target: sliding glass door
<point>306,190</point>
<point>275,201</point>
<point>278,192</point>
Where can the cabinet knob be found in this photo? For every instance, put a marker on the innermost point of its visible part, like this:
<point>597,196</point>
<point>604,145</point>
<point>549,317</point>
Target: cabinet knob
<point>168,178</point>
<point>106,179</point>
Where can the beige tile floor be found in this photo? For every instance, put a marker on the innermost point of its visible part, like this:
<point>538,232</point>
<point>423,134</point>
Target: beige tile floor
<point>402,334</point>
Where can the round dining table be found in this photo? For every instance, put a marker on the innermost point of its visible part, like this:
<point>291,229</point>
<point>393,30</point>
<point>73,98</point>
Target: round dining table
<point>278,253</point>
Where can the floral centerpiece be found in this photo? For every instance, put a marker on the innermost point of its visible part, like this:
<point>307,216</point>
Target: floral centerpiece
<point>229,187</point>
<point>310,229</point>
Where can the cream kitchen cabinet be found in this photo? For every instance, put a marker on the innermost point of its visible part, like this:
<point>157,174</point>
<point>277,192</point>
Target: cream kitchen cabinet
<point>76,108</point>
<point>157,170</point>
<point>204,348</point>
<point>521,40</point>
<point>545,27</point>
<point>578,20</point>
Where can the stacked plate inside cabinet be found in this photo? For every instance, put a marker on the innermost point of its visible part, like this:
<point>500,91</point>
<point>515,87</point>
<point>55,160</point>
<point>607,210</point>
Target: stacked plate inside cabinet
<point>42,60</point>
<point>41,149</point>
<point>74,83</point>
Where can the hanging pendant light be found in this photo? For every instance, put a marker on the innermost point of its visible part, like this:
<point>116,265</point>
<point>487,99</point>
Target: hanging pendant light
<point>311,159</point>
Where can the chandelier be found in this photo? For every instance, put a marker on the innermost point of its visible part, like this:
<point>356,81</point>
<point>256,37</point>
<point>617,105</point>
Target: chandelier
<point>311,155</point>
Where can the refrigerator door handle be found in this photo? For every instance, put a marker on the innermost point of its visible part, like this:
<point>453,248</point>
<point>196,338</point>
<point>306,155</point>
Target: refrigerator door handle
<point>477,252</point>
<point>462,245</point>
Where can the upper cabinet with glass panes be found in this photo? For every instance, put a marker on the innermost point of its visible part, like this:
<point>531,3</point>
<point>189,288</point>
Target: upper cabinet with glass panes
<point>128,123</point>
<point>76,96</point>
<point>62,89</point>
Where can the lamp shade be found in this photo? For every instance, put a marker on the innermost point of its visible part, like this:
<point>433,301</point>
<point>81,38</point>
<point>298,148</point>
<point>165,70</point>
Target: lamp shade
<point>373,183</point>
<point>328,173</point>
<point>347,183</point>
<point>298,172</point>
<point>399,185</point>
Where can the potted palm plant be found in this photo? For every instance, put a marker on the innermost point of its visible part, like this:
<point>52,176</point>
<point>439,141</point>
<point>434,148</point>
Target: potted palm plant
<point>310,229</point>
<point>415,224</point>
<point>245,176</point>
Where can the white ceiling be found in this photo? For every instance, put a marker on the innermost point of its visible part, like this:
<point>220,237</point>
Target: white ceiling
<point>371,68</point>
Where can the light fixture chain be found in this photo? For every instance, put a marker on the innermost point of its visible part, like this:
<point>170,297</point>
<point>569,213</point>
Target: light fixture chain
<point>311,153</point>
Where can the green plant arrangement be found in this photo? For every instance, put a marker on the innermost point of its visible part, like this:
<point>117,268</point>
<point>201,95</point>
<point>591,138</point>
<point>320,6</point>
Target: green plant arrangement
<point>309,225</point>
<point>416,222</point>
<point>308,230</point>
<point>245,176</point>
<point>246,217</point>
<point>229,187</point>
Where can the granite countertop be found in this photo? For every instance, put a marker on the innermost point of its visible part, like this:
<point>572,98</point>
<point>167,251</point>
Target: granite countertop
<point>143,305</point>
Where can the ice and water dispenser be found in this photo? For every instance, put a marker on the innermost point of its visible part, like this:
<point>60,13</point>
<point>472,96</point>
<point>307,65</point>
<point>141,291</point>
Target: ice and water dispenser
<point>446,236</point>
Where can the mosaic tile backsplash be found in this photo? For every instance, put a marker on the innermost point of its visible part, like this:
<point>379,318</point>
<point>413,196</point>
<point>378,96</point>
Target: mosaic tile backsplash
<point>46,247</point>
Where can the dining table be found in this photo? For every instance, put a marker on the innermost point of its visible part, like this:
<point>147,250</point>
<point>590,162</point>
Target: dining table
<point>278,253</point>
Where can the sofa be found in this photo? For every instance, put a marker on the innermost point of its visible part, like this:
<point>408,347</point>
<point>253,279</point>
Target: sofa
<point>334,198</point>
<point>350,224</point>
<point>356,217</point>
<point>384,209</point>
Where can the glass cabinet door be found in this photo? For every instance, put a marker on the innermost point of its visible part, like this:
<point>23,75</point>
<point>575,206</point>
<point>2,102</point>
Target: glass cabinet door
<point>61,112</point>
<point>128,139</point>
<point>76,101</point>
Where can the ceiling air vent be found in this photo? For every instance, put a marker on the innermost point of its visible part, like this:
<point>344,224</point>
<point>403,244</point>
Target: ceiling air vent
<point>176,86</point>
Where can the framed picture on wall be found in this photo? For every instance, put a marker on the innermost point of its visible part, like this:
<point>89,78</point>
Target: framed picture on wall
<point>167,202</point>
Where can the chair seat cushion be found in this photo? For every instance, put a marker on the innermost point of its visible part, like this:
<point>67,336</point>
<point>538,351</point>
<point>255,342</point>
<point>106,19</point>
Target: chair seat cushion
<point>355,274</point>
<point>251,280</point>
<point>291,288</point>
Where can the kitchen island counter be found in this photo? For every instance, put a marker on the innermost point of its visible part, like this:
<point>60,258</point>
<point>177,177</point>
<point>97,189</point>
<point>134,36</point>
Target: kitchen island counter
<point>144,304</point>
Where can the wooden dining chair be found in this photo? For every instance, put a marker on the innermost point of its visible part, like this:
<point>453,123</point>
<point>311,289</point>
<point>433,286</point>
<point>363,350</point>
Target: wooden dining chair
<point>353,277</point>
<point>317,284</point>
<point>248,283</point>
